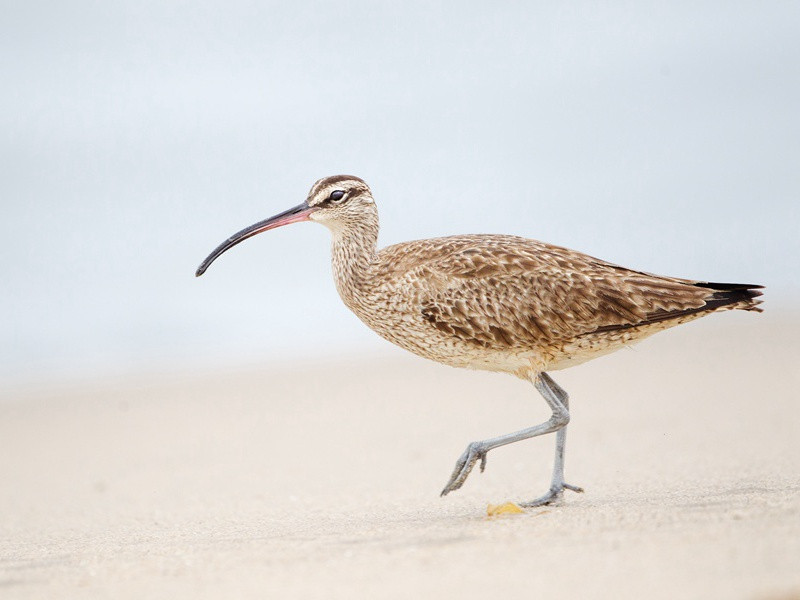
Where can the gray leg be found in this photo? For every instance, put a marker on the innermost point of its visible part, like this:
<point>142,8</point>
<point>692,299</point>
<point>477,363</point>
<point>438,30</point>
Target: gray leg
<point>557,484</point>
<point>557,399</point>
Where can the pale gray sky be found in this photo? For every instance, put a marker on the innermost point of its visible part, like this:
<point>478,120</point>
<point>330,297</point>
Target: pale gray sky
<point>136,136</point>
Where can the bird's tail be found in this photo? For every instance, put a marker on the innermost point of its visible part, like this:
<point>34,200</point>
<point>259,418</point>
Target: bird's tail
<point>733,296</point>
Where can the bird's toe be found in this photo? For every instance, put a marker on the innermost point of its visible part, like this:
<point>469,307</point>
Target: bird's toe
<point>464,465</point>
<point>553,496</point>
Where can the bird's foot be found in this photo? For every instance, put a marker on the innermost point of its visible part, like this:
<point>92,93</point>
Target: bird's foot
<point>553,496</point>
<point>475,451</point>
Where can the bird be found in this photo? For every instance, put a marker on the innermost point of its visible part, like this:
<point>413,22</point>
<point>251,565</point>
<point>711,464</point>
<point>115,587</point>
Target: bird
<point>495,302</point>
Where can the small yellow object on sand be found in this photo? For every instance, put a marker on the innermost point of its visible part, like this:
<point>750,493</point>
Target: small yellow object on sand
<point>509,508</point>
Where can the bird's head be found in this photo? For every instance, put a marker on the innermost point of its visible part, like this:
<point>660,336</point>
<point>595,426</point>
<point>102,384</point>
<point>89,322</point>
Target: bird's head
<point>339,202</point>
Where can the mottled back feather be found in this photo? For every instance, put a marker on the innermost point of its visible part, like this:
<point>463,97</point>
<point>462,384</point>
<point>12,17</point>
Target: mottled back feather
<point>507,292</point>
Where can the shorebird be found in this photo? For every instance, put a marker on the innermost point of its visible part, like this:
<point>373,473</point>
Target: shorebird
<point>496,303</point>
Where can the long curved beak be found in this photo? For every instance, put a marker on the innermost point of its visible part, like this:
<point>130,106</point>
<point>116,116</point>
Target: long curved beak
<point>301,212</point>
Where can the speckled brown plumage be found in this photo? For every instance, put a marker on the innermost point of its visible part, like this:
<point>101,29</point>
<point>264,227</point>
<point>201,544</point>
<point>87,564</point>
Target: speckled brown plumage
<point>502,302</point>
<point>495,302</point>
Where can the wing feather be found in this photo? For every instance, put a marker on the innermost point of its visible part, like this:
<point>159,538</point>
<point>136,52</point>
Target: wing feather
<point>508,292</point>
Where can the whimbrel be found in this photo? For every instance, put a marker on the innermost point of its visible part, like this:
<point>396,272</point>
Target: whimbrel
<point>495,302</point>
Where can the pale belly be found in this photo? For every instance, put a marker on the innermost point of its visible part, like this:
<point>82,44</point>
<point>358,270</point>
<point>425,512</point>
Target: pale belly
<point>411,332</point>
<point>419,337</point>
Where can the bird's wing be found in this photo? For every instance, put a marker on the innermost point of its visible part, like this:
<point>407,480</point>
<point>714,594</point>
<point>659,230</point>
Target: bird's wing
<point>508,292</point>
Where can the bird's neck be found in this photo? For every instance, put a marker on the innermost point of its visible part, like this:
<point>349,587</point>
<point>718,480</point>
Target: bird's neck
<point>353,252</point>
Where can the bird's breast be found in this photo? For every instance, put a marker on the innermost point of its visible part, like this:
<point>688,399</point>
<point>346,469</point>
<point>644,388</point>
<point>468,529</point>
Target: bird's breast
<point>398,317</point>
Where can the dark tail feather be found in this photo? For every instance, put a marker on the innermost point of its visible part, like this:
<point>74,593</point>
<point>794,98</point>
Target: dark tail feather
<point>741,294</point>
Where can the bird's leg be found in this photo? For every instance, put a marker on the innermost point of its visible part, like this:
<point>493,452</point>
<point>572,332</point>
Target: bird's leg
<point>557,484</point>
<point>477,450</point>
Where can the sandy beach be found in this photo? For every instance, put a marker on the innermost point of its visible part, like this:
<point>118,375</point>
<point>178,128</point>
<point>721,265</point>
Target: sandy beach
<point>320,478</point>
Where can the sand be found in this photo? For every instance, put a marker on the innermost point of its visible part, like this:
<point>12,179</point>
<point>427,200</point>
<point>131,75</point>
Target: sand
<point>320,478</point>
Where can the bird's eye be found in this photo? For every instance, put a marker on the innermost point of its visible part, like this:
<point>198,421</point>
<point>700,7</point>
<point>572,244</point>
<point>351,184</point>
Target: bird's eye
<point>336,196</point>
